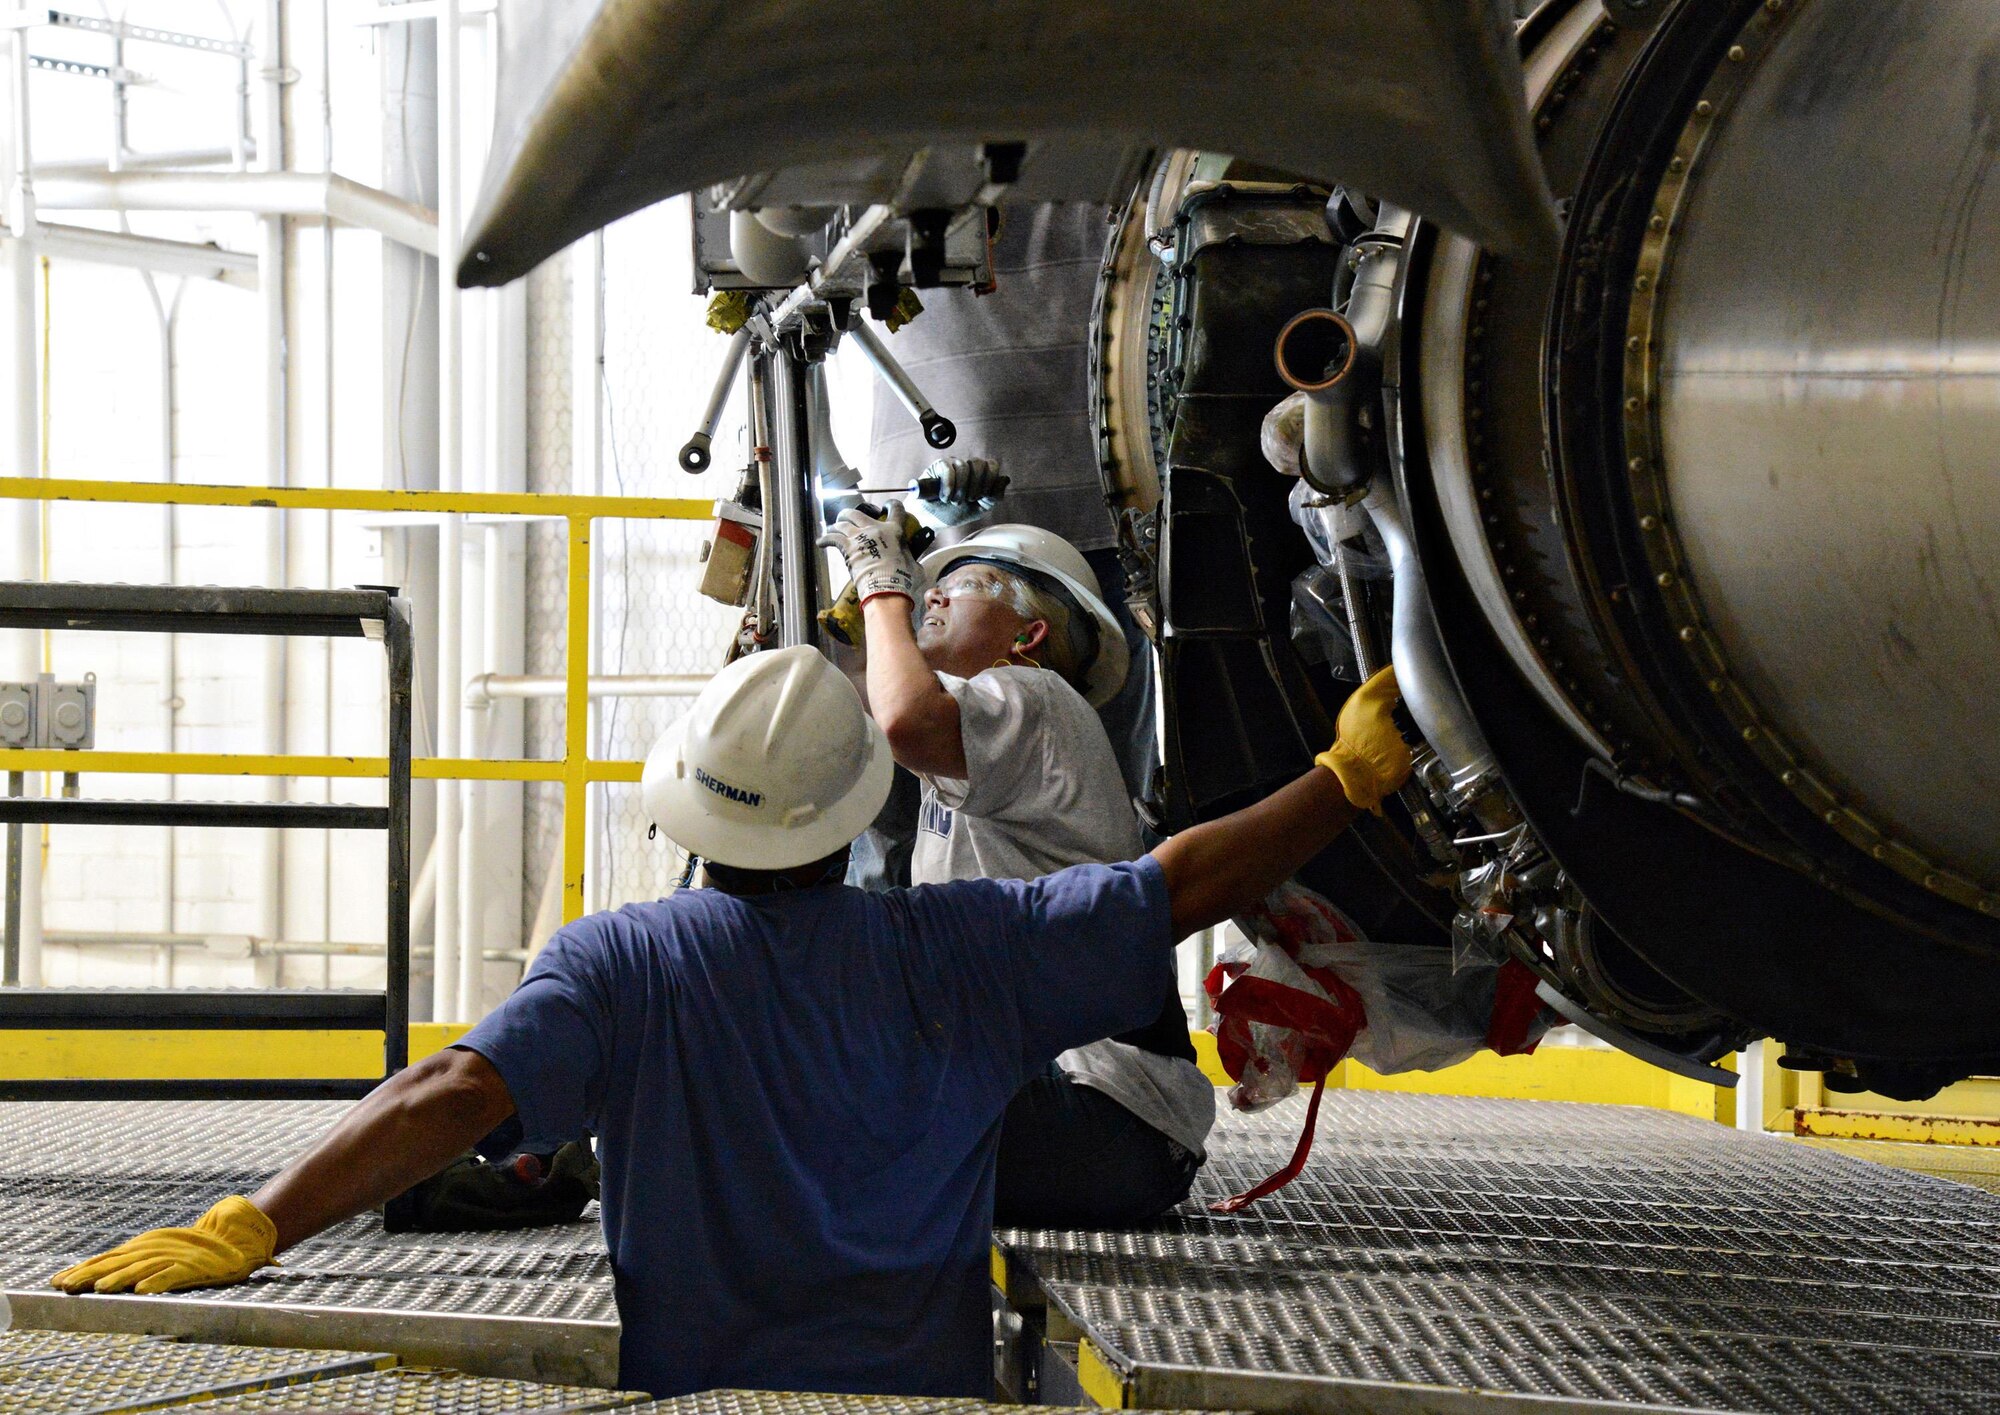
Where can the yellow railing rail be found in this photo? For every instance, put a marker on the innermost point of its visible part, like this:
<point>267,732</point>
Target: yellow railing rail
<point>250,764</point>
<point>575,770</point>
<point>334,498</point>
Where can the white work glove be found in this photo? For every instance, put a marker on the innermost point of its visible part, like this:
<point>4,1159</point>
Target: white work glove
<point>877,558</point>
<point>965,481</point>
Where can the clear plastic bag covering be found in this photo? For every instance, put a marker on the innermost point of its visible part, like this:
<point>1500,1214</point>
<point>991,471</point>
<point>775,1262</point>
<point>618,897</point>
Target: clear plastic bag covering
<point>1309,990</point>
<point>1282,437</point>
<point>1392,1007</point>
<point>1327,522</point>
<point>1319,623</point>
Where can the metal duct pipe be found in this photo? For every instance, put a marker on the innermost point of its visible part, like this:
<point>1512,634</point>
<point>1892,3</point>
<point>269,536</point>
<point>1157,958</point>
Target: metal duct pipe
<point>1317,354</point>
<point>1429,690</point>
<point>765,257</point>
<point>1335,360</point>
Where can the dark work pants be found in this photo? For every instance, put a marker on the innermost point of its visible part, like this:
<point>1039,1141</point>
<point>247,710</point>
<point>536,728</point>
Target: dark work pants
<point>1072,1157</point>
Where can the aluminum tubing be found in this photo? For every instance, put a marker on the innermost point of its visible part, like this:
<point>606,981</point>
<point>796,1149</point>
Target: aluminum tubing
<point>1424,677</point>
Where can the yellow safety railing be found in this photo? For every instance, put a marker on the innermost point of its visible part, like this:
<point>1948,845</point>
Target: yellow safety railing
<point>576,769</point>
<point>1965,1113</point>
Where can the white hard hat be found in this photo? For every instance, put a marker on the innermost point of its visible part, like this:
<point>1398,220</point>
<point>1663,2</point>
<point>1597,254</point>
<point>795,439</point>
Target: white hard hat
<point>776,765</point>
<point>1040,552</point>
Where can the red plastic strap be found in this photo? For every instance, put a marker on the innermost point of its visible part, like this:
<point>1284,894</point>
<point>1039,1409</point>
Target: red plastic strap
<point>1292,1166</point>
<point>1332,1020</point>
<point>1515,1008</point>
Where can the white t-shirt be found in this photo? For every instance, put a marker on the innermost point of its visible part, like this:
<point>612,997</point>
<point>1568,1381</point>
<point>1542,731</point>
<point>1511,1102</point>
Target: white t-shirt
<point>1042,792</point>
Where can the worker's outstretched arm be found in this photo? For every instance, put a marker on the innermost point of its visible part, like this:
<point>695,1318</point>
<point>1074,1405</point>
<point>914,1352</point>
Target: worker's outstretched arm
<point>1224,867</point>
<point>916,714</point>
<point>403,1132</point>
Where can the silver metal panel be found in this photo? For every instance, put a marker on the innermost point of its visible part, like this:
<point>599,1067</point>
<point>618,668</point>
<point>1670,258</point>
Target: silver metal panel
<point>1829,409</point>
<point>607,106</point>
<point>1553,1253</point>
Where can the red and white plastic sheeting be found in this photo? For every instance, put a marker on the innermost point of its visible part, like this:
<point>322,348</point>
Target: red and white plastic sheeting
<point>1308,991</point>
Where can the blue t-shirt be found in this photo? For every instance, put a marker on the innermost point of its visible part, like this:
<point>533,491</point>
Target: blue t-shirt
<point>797,1100</point>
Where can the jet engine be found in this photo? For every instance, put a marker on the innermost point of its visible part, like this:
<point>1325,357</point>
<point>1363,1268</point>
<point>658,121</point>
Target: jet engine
<point>1685,545</point>
<point>1627,378</point>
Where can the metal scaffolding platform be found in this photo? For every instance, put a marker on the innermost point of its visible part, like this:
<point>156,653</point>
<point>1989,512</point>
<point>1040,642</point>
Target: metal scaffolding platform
<point>1438,1254</point>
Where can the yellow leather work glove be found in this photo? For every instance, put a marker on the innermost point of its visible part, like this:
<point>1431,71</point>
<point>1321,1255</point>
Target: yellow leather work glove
<point>1369,754</point>
<point>226,1244</point>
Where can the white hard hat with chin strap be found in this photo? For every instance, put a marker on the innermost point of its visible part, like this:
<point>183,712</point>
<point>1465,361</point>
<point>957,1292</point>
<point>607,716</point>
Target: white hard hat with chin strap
<point>776,765</point>
<point>1062,567</point>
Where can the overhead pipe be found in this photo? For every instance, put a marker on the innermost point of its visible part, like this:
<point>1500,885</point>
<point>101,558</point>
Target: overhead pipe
<point>148,253</point>
<point>144,161</point>
<point>322,195</point>
<point>483,689</point>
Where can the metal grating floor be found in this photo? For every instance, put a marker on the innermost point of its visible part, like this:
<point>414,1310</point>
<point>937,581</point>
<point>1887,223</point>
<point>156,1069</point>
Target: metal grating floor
<point>420,1391</point>
<point>79,1177</point>
<point>774,1402</point>
<point>100,1375</point>
<point>1608,1254</point>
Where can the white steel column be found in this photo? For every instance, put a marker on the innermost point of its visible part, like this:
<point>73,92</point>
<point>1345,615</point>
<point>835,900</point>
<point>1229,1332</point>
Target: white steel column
<point>1750,1088</point>
<point>495,630</point>
<point>277,466</point>
<point>20,437</point>
<point>586,330</point>
<point>445,965</point>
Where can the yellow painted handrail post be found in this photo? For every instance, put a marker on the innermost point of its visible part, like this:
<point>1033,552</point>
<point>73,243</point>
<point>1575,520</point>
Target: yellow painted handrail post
<point>576,717</point>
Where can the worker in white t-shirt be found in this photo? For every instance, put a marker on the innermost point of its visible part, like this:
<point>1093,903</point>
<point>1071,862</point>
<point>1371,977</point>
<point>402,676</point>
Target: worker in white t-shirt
<point>990,699</point>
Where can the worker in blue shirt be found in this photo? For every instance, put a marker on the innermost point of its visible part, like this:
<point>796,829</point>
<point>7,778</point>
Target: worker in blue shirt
<point>796,1086</point>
